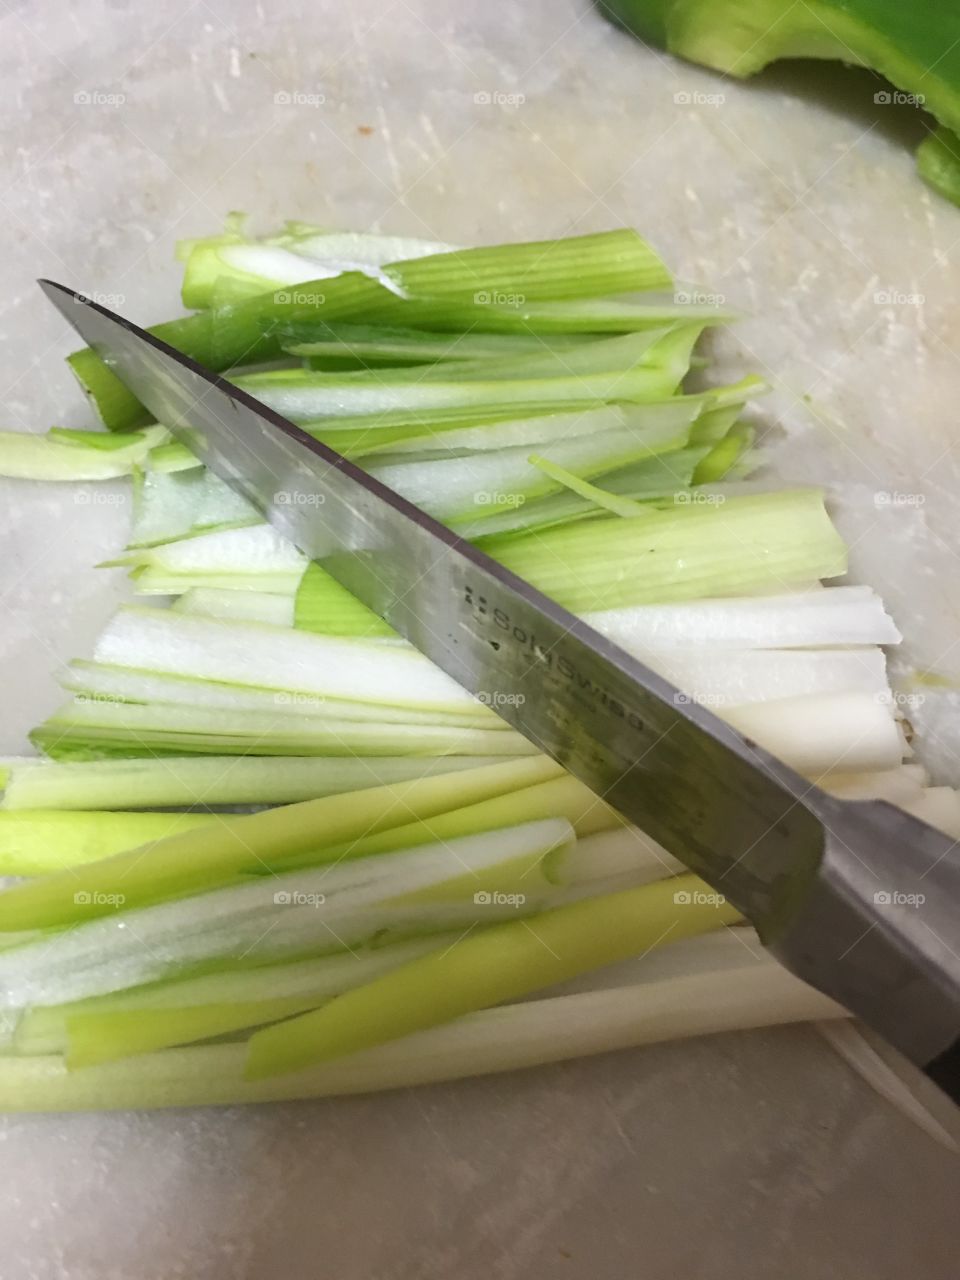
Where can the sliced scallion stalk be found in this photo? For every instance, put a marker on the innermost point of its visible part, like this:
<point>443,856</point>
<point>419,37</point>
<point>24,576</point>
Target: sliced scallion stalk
<point>246,606</point>
<point>240,846</point>
<point>751,543</point>
<point>250,267</point>
<point>35,842</point>
<point>210,781</point>
<point>502,963</point>
<point>75,455</point>
<point>333,906</point>
<point>172,505</point>
<point>247,331</point>
<point>97,729</point>
<point>705,1000</point>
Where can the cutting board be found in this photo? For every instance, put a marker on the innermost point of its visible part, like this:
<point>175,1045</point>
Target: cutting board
<point>127,127</point>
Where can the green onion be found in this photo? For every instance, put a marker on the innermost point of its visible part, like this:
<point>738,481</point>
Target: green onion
<point>480,485</point>
<point>210,781</point>
<point>304,395</point>
<point>249,653</point>
<point>247,331</point>
<point>702,1000</point>
<point>335,906</point>
<point>806,619</point>
<point>168,506</point>
<point>542,271</point>
<point>105,1028</point>
<point>624,313</point>
<point>35,842</point>
<point>43,1028</point>
<point>724,455</point>
<point>232,334</point>
<point>104,729</point>
<point>246,606</point>
<point>753,543</point>
<point>661,476</point>
<point>234,847</point>
<point>323,606</point>
<point>502,963</point>
<point>378,344</point>
<point>301,253</point>
<point>599,497</point>
<point>102,682</point>
<point>422,861</point>
<point>75,455</point>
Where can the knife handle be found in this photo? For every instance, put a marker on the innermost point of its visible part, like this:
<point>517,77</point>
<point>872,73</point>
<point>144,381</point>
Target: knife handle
<point>944,1071</point>
<point>879,930</point>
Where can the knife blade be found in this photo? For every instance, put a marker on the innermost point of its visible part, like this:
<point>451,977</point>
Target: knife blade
<point>857,898</point>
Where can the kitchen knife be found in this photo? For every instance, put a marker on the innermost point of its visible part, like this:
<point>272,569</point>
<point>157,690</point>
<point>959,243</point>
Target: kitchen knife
<point>857,898</point>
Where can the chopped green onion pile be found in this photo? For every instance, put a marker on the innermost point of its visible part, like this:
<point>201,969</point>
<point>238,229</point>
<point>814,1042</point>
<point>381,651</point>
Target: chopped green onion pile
<point>268,850</point>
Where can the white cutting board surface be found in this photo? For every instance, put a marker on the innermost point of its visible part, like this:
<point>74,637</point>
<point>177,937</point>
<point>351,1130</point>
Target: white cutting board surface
<point>757,1154</point>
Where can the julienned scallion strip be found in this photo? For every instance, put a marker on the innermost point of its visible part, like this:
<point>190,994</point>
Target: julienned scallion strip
<point>76,455</point>
<point>752,543</point>
<point>689,550</point>
<point>232,264</point>
<point>257,844</point>
<point>699,999</point>
<point>353,344</point>
<point>500,964</point>
<point>632,367</point>
<point>131,1018</point>
<point>230,267</point>
<point>234,996</point>
<point>248,331</point>
<point>104,729</point>
<point>340,905</point>
<point>35,842</point>
<point>209,781</point>
<point>108,1032</point>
